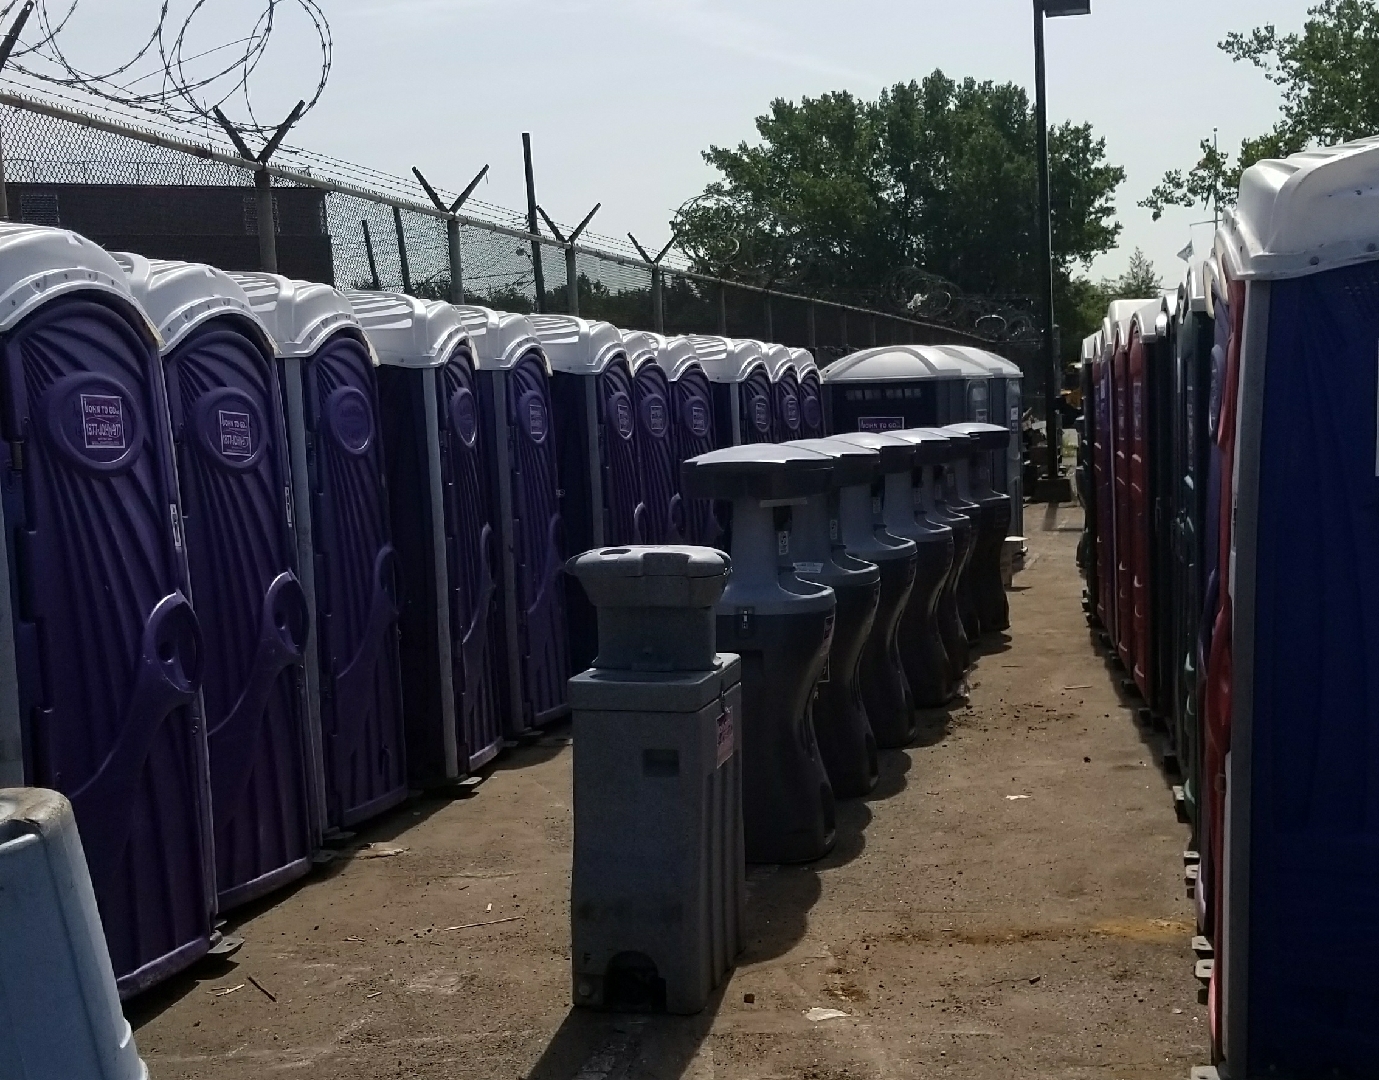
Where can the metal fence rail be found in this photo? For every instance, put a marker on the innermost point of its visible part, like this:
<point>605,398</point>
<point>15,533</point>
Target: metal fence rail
<point>381,234</point>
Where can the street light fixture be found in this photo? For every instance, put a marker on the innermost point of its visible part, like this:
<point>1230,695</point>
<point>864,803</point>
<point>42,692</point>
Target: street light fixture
<point>1051,9</point>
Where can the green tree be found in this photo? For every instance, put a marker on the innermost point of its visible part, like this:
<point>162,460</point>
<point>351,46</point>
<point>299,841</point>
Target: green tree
<point>849,197</point>
<point>1329,78</point>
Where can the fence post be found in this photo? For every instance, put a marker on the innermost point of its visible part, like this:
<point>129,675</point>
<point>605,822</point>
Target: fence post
<point>810,328</point>
<point>7,47</point>
<point>770,322</point>
<point>722,310</point>
<point>843,324</point>
<point>368,250</point>
<point>452,243</point>
<point>572,280</point>
<point>871,332</point>
<point>402,251</point>
<point>658,312</point>
<point>268,226</point>
<point>537,272</point>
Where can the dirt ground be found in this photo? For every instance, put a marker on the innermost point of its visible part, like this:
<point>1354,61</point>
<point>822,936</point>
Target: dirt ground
<point>1008,904</point>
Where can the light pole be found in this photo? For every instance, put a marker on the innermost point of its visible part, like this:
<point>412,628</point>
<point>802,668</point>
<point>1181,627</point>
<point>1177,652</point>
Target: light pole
<point>1050,9</point>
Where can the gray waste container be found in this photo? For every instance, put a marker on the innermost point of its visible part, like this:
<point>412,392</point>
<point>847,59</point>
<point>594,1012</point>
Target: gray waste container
<point>782,626</point>
<point>846,741</point>
<point>974,475</point>
<point>657,893</point>
<point>59,1010</point>
<point>881,673</point>
<point>933,480</point>
<point>959,502</point>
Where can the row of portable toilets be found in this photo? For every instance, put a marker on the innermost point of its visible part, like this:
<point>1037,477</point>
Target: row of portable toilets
<point>1230,473</point>
<point>278,555</point>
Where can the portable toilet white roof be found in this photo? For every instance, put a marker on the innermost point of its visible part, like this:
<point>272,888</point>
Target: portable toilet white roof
<point>778,359</point>
<point>180,296</point>
<point>1119,316</point>
<point>675,355</point>
<point>804,361</point>
<point>727,360</point>
<point>894,363</point>
<point>300,315</point>
<point>407,332</point>
<point>989,362</point>
<point>499,338</point>
<point>38,263</point>
<point>1303,214</point>
<point>641,346</point>
<point>577,346</point>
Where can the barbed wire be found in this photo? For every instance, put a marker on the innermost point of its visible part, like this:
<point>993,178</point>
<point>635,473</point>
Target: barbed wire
<point>164,77</point>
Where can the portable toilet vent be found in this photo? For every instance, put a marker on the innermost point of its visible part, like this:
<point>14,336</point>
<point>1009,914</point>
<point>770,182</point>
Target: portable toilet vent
<point>785,392</point>
<point>344,542</point>
<point>225,402</point>
<point>812,420</point>
<point>444,531</point>
<point>100,663</point>
<point>520,440</point>
<point>896,387</point>
<point>743,405</point>
<point>658,467</point>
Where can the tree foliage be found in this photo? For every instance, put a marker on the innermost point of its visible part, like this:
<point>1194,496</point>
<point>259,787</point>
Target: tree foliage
<point>850,197</point>
<point>1329,78</point>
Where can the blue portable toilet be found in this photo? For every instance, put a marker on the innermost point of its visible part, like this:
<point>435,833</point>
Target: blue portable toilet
<point>225,403</point>
<point>595,423</point>
<point>900,386</point>
<point>1297,309</point>
<point>444,532</point>
<point>658,469</point>
<point>100,652</point>
<point>812,419</point>
<point>517,421</point>
<point>743,405</point>
<point>785,392</point>
<point>347,561</point>
<point>1005,406</point>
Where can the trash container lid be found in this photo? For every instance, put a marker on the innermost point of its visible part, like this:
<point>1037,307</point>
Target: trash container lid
<point>853,465</point>
<point>678,576</point>
<point>983,436</point>
<point>25,811</point>
<point>897,455</point>
<point>935,446</point>
<point>757,471</point>
<point>895,363</point>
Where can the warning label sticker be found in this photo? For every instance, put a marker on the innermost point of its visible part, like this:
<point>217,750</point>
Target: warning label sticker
<point>236,441</point>
<point>102,421</point>
<point>727,738</point>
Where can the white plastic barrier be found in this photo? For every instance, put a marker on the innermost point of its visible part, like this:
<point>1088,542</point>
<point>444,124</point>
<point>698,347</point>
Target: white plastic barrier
<point>60,1015</point>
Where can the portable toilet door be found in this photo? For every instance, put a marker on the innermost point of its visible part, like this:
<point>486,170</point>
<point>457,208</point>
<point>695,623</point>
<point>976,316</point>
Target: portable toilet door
<point>344,542</point>
<point>1144,582</point>
<point>743,404</point>
<point>225,402</point>
<point>785,392</point>
<point>693,428</point>
<point>1300,262</point>
<point>595,426</point>
<point>1103,478</point>
<point>1086,482</point>
<point>1121,313</point>
<point>812,424</point>
<point>442,527</point>
<point>519,437</point>
<point>894,387</point>
<point>658,470</point>
<point>100,653</point>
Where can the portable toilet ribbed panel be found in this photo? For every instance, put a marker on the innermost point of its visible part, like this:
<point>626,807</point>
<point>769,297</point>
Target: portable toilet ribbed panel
<point>658,468</point>
<point>595,426</point>
<point>443,529</point>
<point>1146,378</point>
<point>1119,317</point>
<point>517,424</point>
<point>743,405</point>
<point>1005,406</point>
<point>812,424</point>
<point>1294,682</point>
<point>225,401</point>
<point>1086,483</point>
<point>692,412</point>
<point>785,392</point>
<point>345,550</point>
<point>894,387</point>
<point>1104,473</point>
<point>100,653</point>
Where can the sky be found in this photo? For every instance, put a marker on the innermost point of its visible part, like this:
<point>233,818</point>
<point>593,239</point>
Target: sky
<point>622,96</point>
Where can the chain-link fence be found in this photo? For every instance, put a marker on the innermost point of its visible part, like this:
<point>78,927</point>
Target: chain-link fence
<point>131,185</point>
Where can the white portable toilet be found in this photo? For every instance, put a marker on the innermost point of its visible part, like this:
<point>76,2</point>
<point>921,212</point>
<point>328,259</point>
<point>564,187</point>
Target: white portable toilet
<point>742,393</point>
<point>785,392</point>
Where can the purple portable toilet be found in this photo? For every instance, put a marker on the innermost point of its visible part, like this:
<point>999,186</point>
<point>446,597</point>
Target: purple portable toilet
<point>225,402</point>
<point>743,407</point>
<point>812,424</point>
<point>692,432</point>
<point>100,653</point>
<point>595,422</point>
<point>785,392</point>
<point>658,468</point>
<point>516,421</point>
<point>344,543</point>
<point>443,529</point>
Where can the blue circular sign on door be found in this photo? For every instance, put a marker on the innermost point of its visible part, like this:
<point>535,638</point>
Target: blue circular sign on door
<point>697,417</point>
<point>94,421</point>
<point>655,415</point>
<point>464,416</point>
<point>813,414</point>
<point>761,415</point>
<point>620,410</point>
<point>230,428</point>
<point>349,419</point>
<point>532,416</point>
